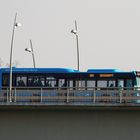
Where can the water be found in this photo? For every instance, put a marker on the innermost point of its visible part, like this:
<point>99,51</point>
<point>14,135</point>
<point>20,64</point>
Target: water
<point>69,125</point>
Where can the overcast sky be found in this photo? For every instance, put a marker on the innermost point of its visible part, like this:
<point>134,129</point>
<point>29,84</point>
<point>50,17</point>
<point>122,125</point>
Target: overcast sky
<point>109,33</point>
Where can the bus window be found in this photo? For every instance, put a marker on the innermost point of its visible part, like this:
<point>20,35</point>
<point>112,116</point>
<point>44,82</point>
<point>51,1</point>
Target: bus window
<point>129,83</point>
<point>71,84</point>
<point>41,81</point>
<point>50,82</point>
<point>32,81</point>
<point>101,83</point>
<point>5,80</point>
<point>120,83</point>
<point>90,85</point>
<point>21,81</point>
<point>81,84</point>
<point>111,83</point>
<point>61,83</point>
<point>137,82</point>
<point>36,81</point>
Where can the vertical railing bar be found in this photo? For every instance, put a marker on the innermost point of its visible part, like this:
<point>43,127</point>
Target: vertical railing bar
<point>112,94</point>
<point>7,94</point>
<point>15,95</point>
<point>107,93</point>
<point>94,93</point>
<point>127,95</point>
<point>120,92</point>
<point>68,90</point>
<point>73,94</point>
<point>58,99</point>
<point>41,94</point>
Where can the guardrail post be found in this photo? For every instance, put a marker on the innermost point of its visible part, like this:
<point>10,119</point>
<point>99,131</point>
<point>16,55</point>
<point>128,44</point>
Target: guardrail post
<point>7,94</point>
<point>41,94</point>
<point>120,94</point>
<point>15,94</point>
<point>68,95</point>
<point>94,93</point>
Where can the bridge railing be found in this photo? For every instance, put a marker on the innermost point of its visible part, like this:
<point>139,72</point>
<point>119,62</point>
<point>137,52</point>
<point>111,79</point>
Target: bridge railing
<point>71,96</point>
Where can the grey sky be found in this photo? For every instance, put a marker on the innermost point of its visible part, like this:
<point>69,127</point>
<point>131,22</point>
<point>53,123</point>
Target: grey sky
<point>109,33</point>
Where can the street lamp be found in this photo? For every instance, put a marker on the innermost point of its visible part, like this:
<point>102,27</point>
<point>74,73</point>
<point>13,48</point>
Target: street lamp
<point>32,52</point>
<point>16,24</point>
<point>74,31</point>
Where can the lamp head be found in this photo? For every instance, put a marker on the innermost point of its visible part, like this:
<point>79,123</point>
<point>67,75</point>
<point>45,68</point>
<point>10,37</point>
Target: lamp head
<point>17,24</point>
<point>74,31</point>
<point>28,50</point>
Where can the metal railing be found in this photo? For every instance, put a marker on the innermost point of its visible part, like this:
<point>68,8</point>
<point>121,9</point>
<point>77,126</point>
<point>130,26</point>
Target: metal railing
<point>71,96</point>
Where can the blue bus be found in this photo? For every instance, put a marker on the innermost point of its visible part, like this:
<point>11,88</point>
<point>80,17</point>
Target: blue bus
<point>62,77</point>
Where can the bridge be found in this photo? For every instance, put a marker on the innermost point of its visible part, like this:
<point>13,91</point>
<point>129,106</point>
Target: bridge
<point>72,98</point>
<point>70,114</point>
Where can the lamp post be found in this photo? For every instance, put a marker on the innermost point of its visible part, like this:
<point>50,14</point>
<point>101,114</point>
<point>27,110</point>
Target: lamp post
<point>74,31</point>
<point>31,51</point>
<point>11,54</point>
